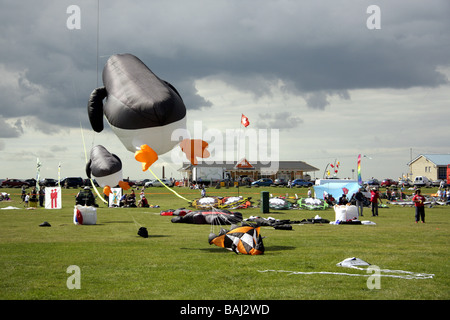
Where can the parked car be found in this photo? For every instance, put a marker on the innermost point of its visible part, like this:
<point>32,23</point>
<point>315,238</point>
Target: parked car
<point>280,182</point>
<point>87,182</point>
<point>247,181</point>
<point>405,183</point>
<point>262,182</point>
<point>439,183</point>
<point>14,183</point>
<point>301,183</point>
<point>388,183</point>
<point>31,182</point>
<point>156,183</point>
<point>130,182</point>
<point>47,182</point>
<point>141,183</point>
<point>421,181</point>
<point>373,182</point>
<point>72,182</point>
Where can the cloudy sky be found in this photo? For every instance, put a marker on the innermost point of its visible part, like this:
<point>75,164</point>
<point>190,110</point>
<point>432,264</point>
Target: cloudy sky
<point>313,71</point>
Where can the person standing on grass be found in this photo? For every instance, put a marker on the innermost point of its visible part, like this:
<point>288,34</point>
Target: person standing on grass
<point>419,200</point>
<point>23,194</point>
<point>374,197</point>
<point>41,197</point>
<point>359,196</point>
<point>26,200</point>
<point>203,192</point>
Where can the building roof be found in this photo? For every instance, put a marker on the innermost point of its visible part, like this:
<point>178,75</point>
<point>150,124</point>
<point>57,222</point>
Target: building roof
<point>437,159</point>
<point>282,166</point>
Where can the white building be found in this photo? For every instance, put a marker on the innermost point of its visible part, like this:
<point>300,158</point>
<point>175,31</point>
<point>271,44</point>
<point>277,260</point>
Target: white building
<point>432,166</point>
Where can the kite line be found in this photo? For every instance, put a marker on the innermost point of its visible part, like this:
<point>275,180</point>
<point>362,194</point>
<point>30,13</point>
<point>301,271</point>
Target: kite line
<point>178,195</point>
<point>408,274</point>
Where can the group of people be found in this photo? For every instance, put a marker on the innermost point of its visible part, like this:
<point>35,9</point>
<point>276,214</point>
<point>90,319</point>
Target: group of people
<point>418,200</point>
<point>33,197</point>
<point>360,200</point>
<point>443,194</point>
<point>86,198</point>
<point>393,194</point>
<point>129,200</point>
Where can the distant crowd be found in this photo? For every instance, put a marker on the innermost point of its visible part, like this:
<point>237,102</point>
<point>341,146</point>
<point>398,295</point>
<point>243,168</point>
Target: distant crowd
<point>127,200</point>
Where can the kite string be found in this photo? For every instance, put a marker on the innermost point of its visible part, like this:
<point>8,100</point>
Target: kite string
<point>213,224</point>
<point>178,195</point>
<point>137,224</point>
<point>85,157</point>
<point>410,275</point>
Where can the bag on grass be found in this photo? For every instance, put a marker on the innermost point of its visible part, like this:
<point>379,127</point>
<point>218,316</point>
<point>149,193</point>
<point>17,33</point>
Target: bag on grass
<point>143,232</point>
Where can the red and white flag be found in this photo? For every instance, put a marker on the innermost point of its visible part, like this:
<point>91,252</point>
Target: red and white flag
<point>244,121</point>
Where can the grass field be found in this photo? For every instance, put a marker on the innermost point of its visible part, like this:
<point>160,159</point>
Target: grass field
<point>176,261</point>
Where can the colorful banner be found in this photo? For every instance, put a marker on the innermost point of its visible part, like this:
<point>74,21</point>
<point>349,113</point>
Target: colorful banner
<point>359,170</point>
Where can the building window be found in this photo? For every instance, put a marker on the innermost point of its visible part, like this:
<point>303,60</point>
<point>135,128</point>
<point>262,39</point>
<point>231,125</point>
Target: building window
<point>442,171</point>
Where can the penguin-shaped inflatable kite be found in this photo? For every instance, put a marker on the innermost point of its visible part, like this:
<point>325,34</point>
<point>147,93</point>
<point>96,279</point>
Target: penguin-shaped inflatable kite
<point>141,109</point>
<point>106,168</point>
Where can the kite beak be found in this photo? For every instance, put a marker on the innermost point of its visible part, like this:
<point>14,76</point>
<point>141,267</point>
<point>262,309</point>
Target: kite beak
<point>107,190</point>
<point>146,155</point>
<point>194,148</point>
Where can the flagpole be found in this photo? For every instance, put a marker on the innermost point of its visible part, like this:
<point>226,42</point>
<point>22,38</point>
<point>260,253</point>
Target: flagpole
<point>38,171</point>
<point>59,174</point>
<point>245,123</point>
<point>238,150</point>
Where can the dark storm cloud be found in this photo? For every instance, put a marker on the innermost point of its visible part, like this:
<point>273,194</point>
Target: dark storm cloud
<point>47,71</point>
<point>317,49</point>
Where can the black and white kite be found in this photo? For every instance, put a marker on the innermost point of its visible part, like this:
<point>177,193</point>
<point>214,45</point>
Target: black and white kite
<point>142,110</point>
<point>106,169</point>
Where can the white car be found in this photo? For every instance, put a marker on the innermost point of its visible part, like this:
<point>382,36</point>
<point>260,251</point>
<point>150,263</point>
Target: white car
<point>421,181</point>
<point>156,183</point>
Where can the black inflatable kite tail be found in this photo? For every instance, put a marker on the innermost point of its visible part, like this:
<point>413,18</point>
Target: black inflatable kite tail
<point>88,168</point>
<point>95,108</point>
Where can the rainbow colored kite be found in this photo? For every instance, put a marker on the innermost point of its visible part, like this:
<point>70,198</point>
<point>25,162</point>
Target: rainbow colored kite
<point>359,170</point>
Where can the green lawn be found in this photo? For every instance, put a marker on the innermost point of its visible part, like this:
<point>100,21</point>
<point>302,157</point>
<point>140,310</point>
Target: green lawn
<point>176,261</point>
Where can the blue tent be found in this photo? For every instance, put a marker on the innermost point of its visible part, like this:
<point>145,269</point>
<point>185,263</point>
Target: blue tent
<point>336,189</point>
